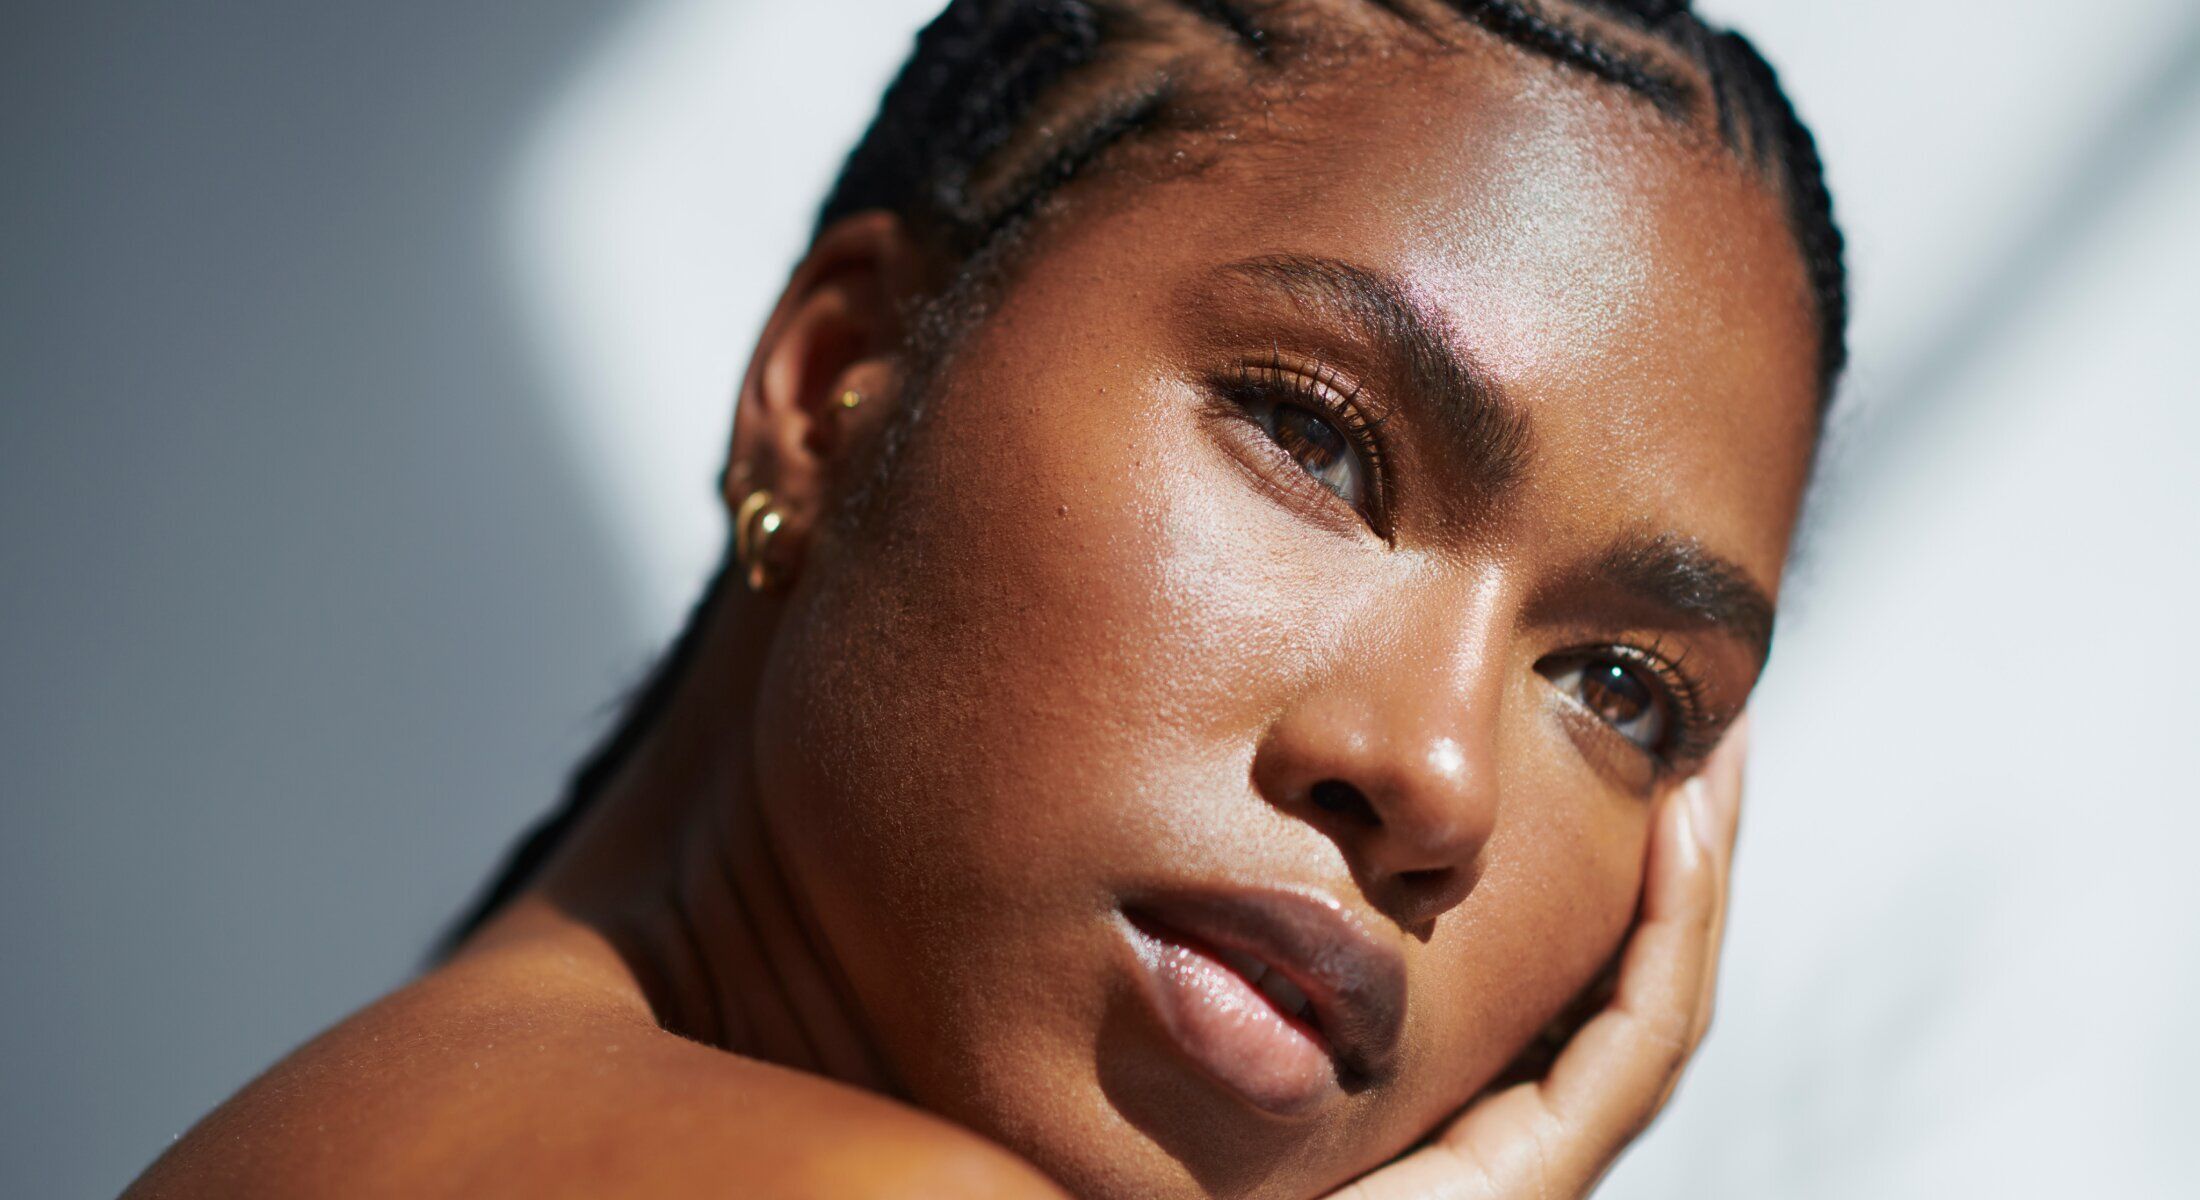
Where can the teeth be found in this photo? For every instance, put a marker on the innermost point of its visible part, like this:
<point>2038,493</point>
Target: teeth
<point>1252,968</point>
<point>1271,983</point>
<point>1287,997</point>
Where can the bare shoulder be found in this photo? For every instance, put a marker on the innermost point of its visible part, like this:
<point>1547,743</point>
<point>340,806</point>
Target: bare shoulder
<point>463,1085</point>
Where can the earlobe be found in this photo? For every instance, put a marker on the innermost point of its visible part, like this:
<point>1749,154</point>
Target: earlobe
<point>833,336</point>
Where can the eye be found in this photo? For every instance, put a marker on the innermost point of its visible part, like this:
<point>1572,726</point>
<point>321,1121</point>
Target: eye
<point>1313,440</point>
<point>1625,695</point>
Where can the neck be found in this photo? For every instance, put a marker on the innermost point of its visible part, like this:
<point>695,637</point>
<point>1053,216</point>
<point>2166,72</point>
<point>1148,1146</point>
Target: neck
<point>678,871</point>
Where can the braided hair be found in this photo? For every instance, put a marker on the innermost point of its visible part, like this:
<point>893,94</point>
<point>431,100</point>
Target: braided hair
<point>983,125</point>
<point>1004,103</point>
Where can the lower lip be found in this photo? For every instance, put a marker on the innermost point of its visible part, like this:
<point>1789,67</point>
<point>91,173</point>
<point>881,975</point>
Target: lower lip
<point>1231,1030</point>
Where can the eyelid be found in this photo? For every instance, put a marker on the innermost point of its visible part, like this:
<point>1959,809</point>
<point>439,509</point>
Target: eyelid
<point>1695,725</point>
<point>1337,396</point>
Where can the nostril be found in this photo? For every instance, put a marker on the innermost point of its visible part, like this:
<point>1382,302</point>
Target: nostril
<point>1431,879</point>
<point>1337,796</point>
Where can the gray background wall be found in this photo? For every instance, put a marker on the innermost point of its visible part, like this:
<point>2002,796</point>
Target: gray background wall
<point>362,372</point>
<point>301,603</point>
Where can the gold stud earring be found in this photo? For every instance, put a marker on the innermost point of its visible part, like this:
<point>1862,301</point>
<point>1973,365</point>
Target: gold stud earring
<point>755,524</point>
<point>851,398</point>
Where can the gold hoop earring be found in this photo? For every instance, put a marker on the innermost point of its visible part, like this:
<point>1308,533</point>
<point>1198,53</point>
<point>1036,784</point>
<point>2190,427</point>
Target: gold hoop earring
<point>755,525</point>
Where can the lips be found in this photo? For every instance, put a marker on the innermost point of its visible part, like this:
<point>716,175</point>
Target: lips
<point>1280,994</point>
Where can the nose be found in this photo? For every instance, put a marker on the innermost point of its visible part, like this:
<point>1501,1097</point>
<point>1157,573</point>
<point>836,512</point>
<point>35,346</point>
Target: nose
<point>1399,769</point>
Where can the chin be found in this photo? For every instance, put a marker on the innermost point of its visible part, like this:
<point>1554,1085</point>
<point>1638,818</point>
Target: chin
<point>1102,1086</point>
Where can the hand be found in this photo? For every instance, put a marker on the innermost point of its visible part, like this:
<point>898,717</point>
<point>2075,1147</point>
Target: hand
<point>1556,1136</point>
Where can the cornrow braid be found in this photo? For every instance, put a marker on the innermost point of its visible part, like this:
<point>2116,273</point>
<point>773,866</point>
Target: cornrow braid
<point>984,68</point>
<point>977,132</point>
<point>1240,24</point>
<point>1525,27</point>
<point>975,73</point>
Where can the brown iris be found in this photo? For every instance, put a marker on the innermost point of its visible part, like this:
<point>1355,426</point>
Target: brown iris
<point>1614,693</point>
<point>1320,449</point>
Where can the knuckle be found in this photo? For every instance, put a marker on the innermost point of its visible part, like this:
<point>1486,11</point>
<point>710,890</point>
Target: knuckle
<point>1670,1071</point>
<point>1668,1041</point>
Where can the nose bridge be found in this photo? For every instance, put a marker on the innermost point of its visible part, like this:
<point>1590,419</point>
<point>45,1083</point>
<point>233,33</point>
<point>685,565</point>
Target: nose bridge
<point>1431,700</point>
<point>1393,751</point>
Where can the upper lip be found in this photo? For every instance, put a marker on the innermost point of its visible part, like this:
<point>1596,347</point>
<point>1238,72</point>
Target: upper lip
<point>1355,983</point>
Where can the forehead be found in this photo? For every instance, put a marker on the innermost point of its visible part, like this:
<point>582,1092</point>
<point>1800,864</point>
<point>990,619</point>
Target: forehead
<point>1625,279</point>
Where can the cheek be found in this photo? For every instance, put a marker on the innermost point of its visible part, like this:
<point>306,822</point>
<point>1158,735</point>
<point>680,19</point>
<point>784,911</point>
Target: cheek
<point>1080,616</point>
<point>1043,681</point>
<point>1554,904</point>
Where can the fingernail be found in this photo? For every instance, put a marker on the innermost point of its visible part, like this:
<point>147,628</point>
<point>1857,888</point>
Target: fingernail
<point>1686,814</point>
<point>1699,812</point>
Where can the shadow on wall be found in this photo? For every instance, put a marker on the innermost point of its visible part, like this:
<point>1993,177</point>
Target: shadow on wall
<point>305,614</point>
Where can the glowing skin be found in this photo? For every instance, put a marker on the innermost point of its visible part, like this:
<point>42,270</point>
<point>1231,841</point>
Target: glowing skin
<point>940,819</point>
<point>1117,658</point>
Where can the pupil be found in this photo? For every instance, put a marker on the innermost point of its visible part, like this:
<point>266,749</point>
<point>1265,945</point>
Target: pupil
<point>1613,692</point>
<point>1310,438</point>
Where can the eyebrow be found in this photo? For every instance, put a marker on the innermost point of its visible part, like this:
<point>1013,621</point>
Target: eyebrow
<point>1683,577</point>
<point>1495,435</point>
<point>1671,572</point>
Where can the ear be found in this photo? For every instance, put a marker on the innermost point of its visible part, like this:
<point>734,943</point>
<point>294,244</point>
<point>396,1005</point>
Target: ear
<point>836,331</point>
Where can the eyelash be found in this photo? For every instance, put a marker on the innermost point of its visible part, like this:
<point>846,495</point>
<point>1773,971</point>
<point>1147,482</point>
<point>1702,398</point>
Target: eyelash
<point>1695,726</point>
<point>1314,386</point>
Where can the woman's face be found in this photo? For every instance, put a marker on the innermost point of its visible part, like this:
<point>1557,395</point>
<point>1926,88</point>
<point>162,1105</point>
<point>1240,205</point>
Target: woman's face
<point>1317,563</point>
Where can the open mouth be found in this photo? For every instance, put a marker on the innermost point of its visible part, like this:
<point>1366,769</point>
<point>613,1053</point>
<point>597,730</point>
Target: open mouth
<point>1281,992</point>
<point>1288,1000</point>
<point>1280,996</point>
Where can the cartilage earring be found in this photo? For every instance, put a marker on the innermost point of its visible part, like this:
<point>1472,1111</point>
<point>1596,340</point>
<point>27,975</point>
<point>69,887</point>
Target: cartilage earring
<point>755,524</point>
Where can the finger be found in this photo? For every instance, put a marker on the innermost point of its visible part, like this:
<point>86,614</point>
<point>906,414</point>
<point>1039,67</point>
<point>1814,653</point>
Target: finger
<point>1559,1136</point>
<point>1720,822</point>
<point>1616,1073</point>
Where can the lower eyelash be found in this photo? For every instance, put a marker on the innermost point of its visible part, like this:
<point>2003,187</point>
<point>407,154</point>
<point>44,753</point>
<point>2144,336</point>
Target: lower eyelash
<point>1315,386</point>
